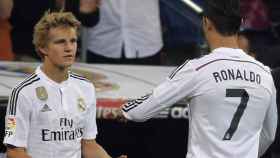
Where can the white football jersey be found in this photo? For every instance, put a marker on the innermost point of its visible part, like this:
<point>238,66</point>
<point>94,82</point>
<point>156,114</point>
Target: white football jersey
<point>50,119</point>
<point>232,104</point>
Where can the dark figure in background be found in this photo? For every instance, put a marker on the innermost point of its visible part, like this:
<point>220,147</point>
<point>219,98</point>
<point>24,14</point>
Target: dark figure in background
<point>261,19</point>
<point>129,32</point>
<point>245,44</point>
<point>275,153</point>
<point>181,32</point>
<point>274,15</point>
<point>26,13</point>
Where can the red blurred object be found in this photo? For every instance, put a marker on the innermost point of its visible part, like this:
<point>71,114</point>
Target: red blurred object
<point>255,15</point>
<point>5,41</point>
<point>107,102</point>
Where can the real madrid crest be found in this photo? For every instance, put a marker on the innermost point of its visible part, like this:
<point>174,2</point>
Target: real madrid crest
<point>41,93</point>
<point>81,104</point>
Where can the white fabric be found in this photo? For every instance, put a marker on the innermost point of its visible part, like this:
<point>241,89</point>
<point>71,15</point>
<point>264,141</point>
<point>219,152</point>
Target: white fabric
<point>134,23</point>
<point>215,86</point>
<point>3,155</point>
<point>52,127</point>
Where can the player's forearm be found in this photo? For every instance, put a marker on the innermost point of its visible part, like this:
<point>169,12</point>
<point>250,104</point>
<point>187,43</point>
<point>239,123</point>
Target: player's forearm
<point>141,109</point>
<point>17,153</point>
<point>91,149</point>
<point>5,8</point>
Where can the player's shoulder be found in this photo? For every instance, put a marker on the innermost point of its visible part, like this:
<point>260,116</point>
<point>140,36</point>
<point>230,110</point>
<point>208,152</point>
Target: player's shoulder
<point>28,83</point>
<point>189,66</point>
<point>236,56</point>
<point>266,68</point>
<point>205,60</point>
<point>79,79</point>
<point>195,63</point>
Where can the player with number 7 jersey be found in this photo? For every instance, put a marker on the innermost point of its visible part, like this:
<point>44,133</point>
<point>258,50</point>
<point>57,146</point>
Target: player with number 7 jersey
<point>232,97</point>
<point>230,109</point>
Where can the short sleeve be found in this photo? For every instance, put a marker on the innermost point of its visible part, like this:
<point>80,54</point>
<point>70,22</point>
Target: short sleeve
<point>90,126</point>
<point>17,122</point>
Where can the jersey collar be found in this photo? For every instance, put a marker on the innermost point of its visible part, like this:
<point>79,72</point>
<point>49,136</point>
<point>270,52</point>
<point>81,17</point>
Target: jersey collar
<point>51,82</point>
<point>227,50</point>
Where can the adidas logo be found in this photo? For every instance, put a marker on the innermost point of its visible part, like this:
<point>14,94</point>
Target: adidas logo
<point>46,108</point>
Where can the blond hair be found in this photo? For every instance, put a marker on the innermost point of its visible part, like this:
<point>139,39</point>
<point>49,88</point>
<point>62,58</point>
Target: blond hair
<point>49,21</point>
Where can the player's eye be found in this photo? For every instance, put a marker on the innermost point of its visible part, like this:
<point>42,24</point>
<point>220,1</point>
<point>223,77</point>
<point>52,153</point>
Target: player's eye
<point>74,40</point>
<point>60,41</point>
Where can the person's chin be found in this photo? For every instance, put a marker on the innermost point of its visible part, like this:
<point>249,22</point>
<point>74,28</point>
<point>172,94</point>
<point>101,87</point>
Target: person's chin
<point>66,64</point>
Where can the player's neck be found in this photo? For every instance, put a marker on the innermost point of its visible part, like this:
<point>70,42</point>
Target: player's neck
<point>55,73</point>
<point>218,41</point>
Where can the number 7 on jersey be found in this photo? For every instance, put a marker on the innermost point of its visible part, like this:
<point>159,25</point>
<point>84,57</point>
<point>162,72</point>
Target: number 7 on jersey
<point>242,93</point>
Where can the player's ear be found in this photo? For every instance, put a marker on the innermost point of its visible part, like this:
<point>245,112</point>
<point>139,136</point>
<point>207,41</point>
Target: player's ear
<point>43,51</point>
<point>207,23</point>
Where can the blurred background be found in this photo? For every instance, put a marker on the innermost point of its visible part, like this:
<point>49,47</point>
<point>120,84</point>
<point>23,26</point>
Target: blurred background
<point>140,32</point>
<point>180,29</point>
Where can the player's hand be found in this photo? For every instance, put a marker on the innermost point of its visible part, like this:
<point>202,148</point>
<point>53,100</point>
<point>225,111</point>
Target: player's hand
<point>89,6</point>
<point>122,156</point>
<point>120,117</point>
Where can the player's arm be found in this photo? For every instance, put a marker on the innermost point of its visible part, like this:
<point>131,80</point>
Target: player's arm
<point>5,8</point>
<point>175,88</point>
<point>269,126</point>
<point>16,152</point>
<point>17,125</point>
<point>91,149</point>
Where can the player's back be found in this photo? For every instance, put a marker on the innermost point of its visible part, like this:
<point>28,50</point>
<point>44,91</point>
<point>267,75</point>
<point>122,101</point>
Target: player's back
<point>231,95</point>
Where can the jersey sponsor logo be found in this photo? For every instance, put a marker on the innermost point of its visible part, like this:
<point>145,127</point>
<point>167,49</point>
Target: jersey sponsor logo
<point>66,132</point>
<point>236,74</point>
<point>46,108</point>
<point>81,104</point>
<point>10,126</point>
<point>62,134</point>
<point>41,93</point>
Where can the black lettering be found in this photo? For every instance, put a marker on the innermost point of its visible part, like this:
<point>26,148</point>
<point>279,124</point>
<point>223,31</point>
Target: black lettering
<point>44,135</point>
<point>217,76</point>
<point>246,79</point>
<point>82,132</point>
<point>72,135</point>
<point>56,135</point>
<point>231,74</point>
<point>238,74</point>
<point>224,75</point>
<point>252,76</point>
<point>66,135</point>
<point>70,123</point>
<point>258,78</point>
<point>62,122</point>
